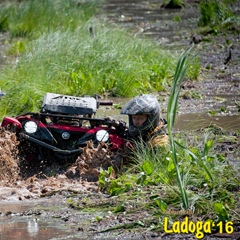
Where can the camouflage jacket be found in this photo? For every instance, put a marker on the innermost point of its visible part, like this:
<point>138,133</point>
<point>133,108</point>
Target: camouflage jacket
<point>156,138</point>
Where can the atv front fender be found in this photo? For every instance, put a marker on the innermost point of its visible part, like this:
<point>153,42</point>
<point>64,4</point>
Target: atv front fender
<point>9,122</point>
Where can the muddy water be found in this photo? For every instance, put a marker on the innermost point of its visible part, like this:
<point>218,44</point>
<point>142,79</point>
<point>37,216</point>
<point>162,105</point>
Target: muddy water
<point>22,228</point>
<point>174,29</point>
<point>22,220</point>
<point>15,226</point>
<point>192,114</point>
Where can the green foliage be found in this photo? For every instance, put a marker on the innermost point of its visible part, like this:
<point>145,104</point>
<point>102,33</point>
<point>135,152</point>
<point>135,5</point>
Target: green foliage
<point>33,18</point>
<point>119,208</point>
<point>17,48</point>
<point>218,15</point>
<point>74,63</point>
<point>76,55</point>
<point>189,176</point>
<point>171,116</point>
<point>107,183</point>
<point>151,182</point>
<point>104,178</point>
<point>221,212</point>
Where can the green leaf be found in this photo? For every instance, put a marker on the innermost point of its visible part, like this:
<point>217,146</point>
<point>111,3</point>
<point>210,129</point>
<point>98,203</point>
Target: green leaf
<point>147,168</point>
<point>161,204</point>
<point>221,212</point>
<point>221,158</point>
<point>200,162</point>
<point>171,166</point>
<point>141,179</point>
<point>208,146</point>
<point>98,218</point>
<point>117,191</point>
<point>119,208</point>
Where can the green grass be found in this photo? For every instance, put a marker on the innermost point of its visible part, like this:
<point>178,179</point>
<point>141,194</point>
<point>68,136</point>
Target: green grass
<point>151,182</point>
<point>32,18</point>
<point>219,15</point>
<point>186,175</point>
<point>76,63</point>
<point>67,58</point>
<point>171,116</point>
<point>59,54</point>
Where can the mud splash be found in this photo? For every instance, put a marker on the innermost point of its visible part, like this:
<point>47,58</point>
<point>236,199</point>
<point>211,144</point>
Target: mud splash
<point>9,168</point>
<point>82,175</point>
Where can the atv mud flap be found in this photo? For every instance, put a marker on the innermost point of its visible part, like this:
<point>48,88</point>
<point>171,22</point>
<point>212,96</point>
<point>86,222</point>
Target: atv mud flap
<point>52,148</point>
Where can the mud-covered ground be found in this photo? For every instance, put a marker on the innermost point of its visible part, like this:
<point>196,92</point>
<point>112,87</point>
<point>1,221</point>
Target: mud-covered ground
<point>60,200</point>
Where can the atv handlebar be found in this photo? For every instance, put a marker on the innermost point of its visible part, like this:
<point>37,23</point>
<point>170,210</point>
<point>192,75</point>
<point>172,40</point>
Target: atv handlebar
<point>105,103</point>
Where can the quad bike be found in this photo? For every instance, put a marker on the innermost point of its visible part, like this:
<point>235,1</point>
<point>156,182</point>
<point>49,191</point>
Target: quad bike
<point>63,127</point>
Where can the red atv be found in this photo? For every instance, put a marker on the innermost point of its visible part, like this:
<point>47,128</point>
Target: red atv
<point>63,126</point>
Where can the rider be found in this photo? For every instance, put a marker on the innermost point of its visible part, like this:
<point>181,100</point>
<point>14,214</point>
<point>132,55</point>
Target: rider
<point>145,121</point>
<point>145,125</point>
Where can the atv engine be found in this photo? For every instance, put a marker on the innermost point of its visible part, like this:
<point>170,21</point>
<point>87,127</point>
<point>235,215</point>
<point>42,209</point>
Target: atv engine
<point>69,105</point>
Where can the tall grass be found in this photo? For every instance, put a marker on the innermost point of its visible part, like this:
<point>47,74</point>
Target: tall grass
<point>218,15</point>
<point>74,62</point>
<point>32,18</point>
<point>171,116</point>
<point>61,54</point>
<point>152,182</point>
<point>187,174</point>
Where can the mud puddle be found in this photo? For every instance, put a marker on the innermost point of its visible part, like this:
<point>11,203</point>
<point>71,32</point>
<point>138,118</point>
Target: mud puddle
<point>31,228</point>
<point>40,219</point>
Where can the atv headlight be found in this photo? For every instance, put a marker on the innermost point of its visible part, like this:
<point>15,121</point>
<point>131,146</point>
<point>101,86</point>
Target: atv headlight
<point>102,136</point>
<point>30,127</point>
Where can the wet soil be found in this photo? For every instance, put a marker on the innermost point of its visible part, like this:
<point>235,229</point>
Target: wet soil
<point>53,207</point>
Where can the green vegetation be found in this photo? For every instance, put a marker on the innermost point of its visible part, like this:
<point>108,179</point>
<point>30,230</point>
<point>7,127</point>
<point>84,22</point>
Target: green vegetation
<point>75,63</point>
<point>171,116</point>
<point>189,176</point>
<point>218,15</point>
<point>32,18</point>
<point>76,56</point>
<point>208,189</point>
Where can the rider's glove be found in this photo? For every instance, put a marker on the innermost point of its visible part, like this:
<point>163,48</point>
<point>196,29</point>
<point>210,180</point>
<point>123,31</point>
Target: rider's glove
<point>119,125</point>
<point>113,122</point>
<point>110,121</point>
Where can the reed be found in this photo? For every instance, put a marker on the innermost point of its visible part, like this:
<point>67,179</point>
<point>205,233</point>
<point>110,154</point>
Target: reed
<point>171,117</point>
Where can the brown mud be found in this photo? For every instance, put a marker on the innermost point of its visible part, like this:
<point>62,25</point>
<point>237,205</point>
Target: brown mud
<point>47,205</point>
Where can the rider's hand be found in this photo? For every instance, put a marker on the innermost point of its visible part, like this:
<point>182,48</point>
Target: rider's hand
<point>114,122</point>
<point>110,120</point>
<point>121,126</point>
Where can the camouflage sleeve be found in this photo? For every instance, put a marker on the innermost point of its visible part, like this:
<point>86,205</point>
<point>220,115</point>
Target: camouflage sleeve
<point>159,137</point>
<point>159,141</point>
